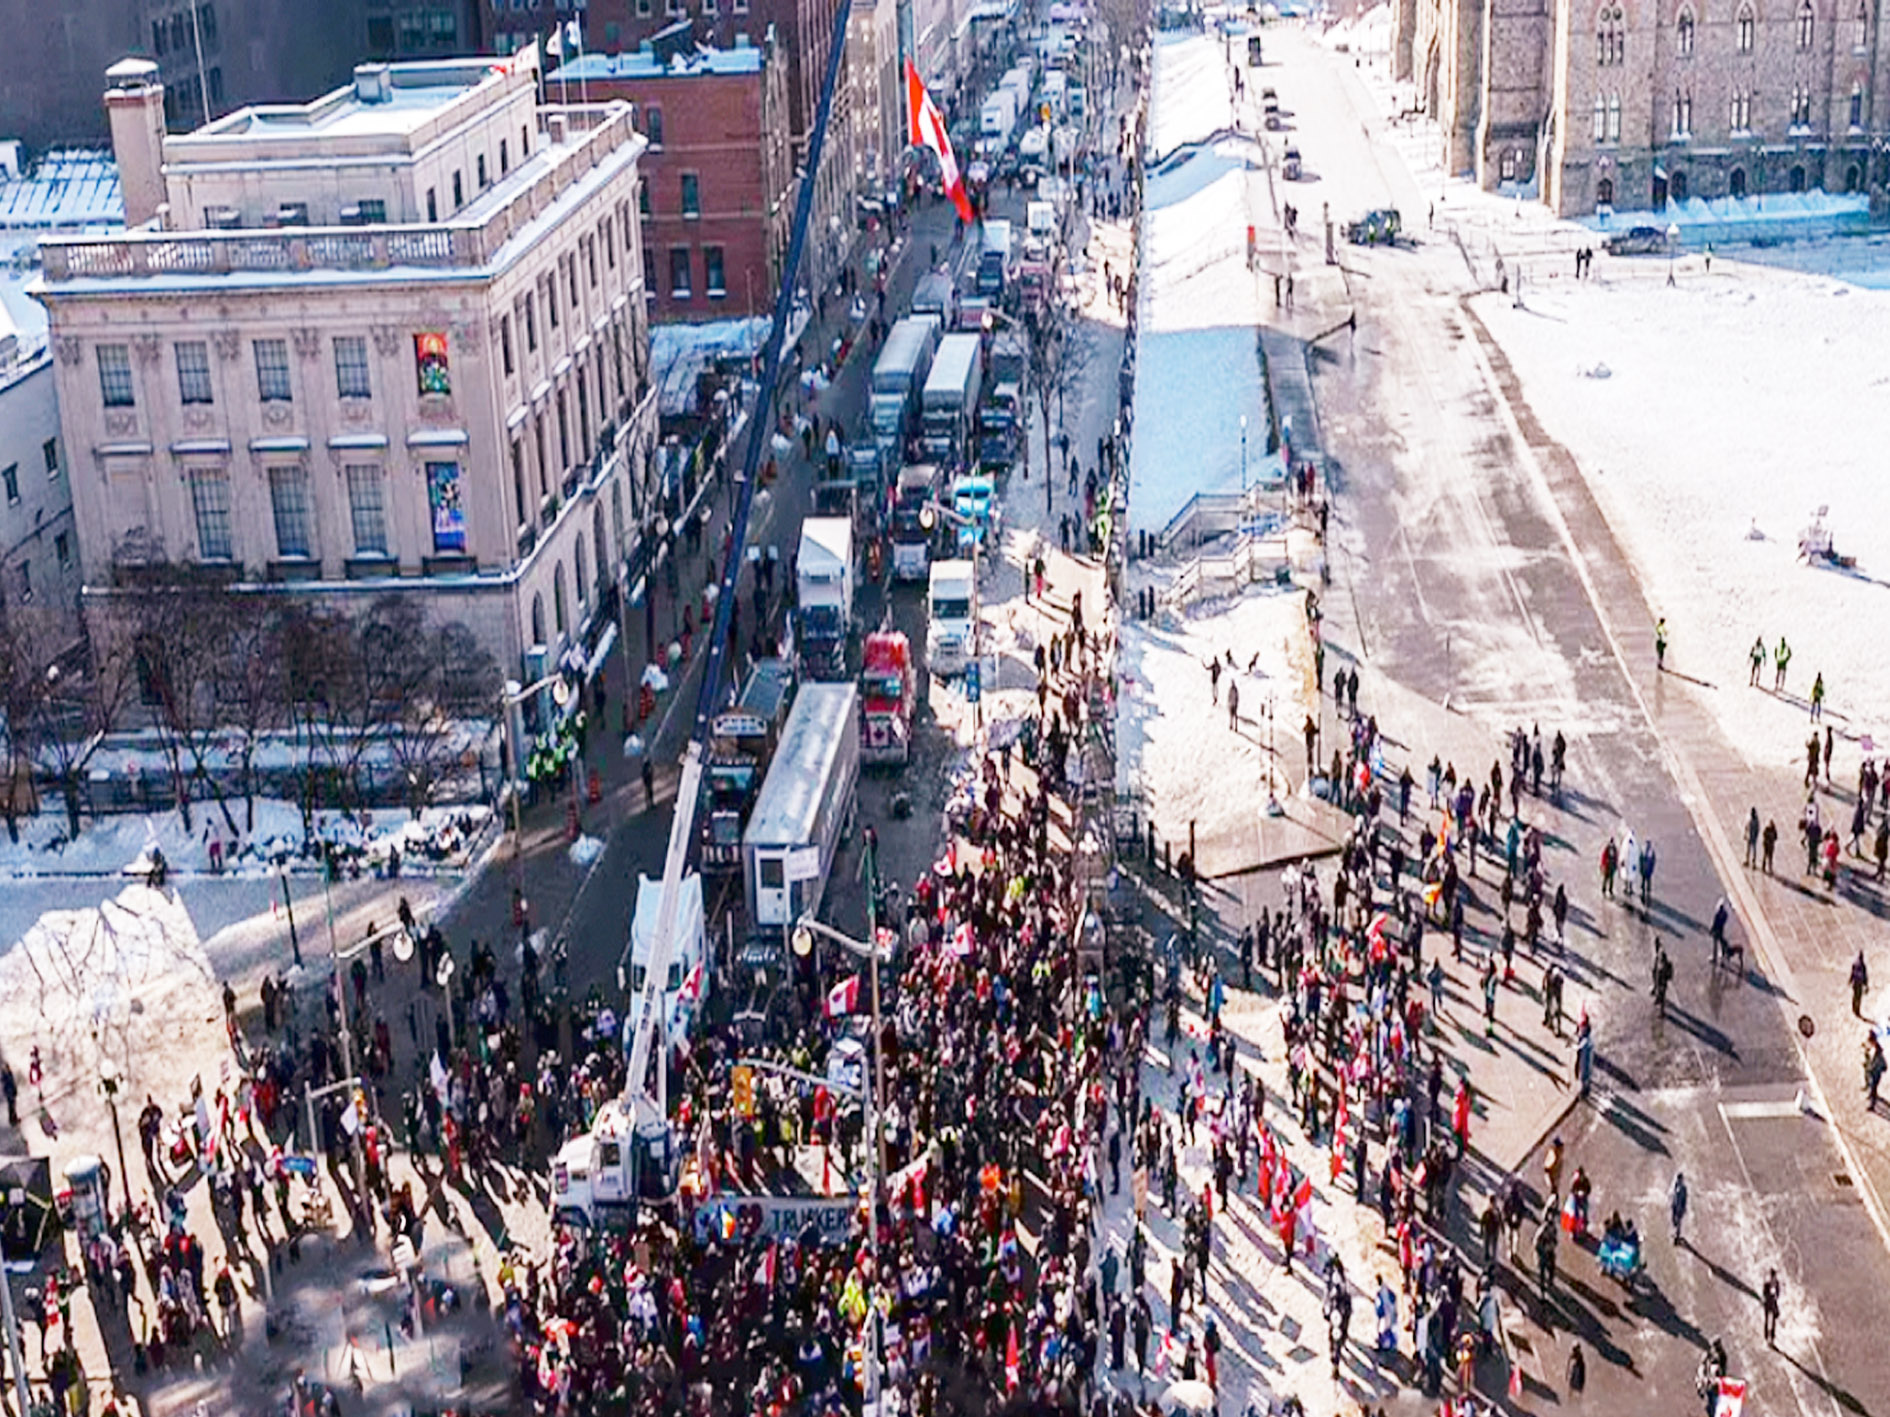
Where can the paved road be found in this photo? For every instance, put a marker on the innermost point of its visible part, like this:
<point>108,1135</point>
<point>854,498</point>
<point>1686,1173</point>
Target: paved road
<point>1453,585</point>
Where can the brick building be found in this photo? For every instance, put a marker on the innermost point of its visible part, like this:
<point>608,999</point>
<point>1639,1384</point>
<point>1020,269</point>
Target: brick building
<point>1631,104</point>
<point>718,187</point>
<point>803,30</point>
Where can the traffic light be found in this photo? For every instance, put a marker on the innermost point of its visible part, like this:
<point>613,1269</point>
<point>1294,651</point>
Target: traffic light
<point>742,1089</point>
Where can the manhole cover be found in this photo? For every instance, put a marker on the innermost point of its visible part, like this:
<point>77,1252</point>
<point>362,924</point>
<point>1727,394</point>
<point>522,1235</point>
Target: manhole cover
<point>1842,1179</point>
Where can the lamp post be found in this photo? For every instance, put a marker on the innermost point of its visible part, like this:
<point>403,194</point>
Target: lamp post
<point>804,931</point>
<point>288,907</point>
<point>1673,247</point>
<point>108,1084</point>
<point>510,697</point>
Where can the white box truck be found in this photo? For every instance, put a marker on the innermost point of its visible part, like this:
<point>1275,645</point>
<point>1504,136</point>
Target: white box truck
<point>997,118</point>
<point>806,805</point>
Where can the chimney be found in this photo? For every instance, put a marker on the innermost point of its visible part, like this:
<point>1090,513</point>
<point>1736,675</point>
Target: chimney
<point>134,103</point>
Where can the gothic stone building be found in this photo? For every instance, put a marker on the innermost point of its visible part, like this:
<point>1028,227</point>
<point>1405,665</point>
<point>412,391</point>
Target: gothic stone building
<point>1631,104</point>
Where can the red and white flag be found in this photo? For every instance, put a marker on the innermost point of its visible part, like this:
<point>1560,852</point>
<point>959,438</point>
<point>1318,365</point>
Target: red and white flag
<point>844,997</point>
<point>928,131</point>
<point>1012,1366</point>
<point>1732,1397</point>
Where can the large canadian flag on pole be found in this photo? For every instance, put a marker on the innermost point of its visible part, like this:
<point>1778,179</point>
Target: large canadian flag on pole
<point>928,131</point>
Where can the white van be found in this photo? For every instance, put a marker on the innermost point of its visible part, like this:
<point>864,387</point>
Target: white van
<point>952,608</point>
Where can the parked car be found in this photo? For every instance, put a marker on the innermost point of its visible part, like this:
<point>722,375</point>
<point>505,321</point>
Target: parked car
<point>1379,228</point>
<point>1637,241</point>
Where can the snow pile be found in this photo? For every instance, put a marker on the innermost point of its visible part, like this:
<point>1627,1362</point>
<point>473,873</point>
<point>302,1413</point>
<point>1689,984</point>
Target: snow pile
<point>129,975</point>
<point>1197,369</point>
<point>439,837</point>
<point>1685,472</point>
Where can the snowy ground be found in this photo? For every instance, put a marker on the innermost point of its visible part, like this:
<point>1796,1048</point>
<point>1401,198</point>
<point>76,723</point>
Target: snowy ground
<point>106,845</point>
<point>1709,482</point>
<point>1197,370</point>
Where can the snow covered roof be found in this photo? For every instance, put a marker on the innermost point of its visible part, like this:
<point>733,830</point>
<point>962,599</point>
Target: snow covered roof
<point>702,61</point>
<point>68,188</point>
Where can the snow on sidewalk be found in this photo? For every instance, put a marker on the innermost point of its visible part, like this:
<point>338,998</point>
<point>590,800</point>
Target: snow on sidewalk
<point>1708,477</point>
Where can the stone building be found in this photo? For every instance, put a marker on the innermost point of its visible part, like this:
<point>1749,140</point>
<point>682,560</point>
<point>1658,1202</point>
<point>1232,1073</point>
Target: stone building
<point>389,341</point>
<point>1631,104</point>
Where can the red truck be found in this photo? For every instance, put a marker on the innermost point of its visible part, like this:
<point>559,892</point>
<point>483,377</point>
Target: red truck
<point>886,696</point>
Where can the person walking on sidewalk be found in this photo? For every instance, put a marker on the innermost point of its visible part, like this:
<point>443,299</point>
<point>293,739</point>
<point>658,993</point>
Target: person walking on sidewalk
<point>1768,1303</point>
<point>1752,837</point>
<point>1860,981</point>
<point>1781,661</point>
<point>1677,1207</point>
<point>1873,1067</point>
<point>1660,643</point>
<point>1817,696</point>
<point>1758,660</point>
<point>1233,706</point>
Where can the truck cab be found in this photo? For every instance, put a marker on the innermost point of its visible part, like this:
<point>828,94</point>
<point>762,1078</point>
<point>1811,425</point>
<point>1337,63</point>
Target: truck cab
<point>912,538</point>
<point>823,587</point>
<point>741,740</point>
<point>951,614</point>
<point>886,698</point>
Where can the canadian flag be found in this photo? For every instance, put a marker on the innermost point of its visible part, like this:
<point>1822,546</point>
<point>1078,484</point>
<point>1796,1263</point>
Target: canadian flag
<point>1012,1366</point>
<point>1732,1397</point>
<point>928,131</point>
<point>844,998</point>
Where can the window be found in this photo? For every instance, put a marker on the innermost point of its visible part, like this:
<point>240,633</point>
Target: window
<point>10,474</point>
<point>1741,111</point>
<point>193,371</point>
<point>653,126</point>
<point>1678,186</point>
<point>1736,182</point>
<point>679,272</point>
<point>367,509</point>
<point>559,618</point>
<point>709,7</point>
<point>1604,192</point>
<point>773,872</point>
<point>62,548</point>
<point>551,300</point>
<point>1614,117</point>
<point>740,7</point>
<point>691,194</point>
<point>1857,106</point>
<point>50,451</point>
<point>610,247</point>
<point>433,373</point>
<point>1601,119</point>
<point>1611,37</point>
<point>373,211</point>
<point>564,433</point>
<point>505,158</point>
<point>569,262</point>
<point>1801,106</point>
<point>1742,31</point>
<point>505,342</point>
<point>531,322</point>
<point>518,482</point>
<point>114,375</point>
<point>590,260</point>
<point>272,370</point>
<point>433,206</point>
<point>643,199</point>
<point>288,497</point>
<point>459,193</point>
<point>210,500</point>
<point>1683,34</point>
<point>207,24</point>
<point>1682,113</point>
<point>1807,25</point>
<point>483,184</point>
<point>714,279</point>
<point>351,367</point>
<point>1795,180</point>
<point>1860,28</point>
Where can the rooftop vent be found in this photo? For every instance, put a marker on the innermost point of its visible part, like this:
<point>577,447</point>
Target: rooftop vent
<point>373,83</point>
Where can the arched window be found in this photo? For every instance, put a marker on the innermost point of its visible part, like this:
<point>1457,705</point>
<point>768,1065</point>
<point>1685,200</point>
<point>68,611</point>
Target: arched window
<point>1743,29</point>
<point>1851,178</point>
<point>1860,28</point>
<point>1736,184</point>
<point>538,619</point>
<point>1509,165</point>
<point>1610,36</point>
<point>582,565</point>
<point>1795,180</point>
<point>616,518</point>
<point>1683,33</point>
<point>1857,106</point>
<point>1601,119</point>
<point>1604,192</point>
<point>1807,25</point>
<point>558,614</point>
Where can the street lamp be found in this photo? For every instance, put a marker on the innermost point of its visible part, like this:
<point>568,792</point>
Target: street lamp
<point>510,698</point>
<point>1673,247</point>
<point>108,1084</point>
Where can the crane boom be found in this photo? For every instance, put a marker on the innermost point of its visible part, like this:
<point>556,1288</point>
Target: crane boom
<point>682,825</point>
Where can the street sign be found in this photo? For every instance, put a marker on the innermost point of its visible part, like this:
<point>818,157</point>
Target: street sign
<point>974,682</point>
<point>802,864</point>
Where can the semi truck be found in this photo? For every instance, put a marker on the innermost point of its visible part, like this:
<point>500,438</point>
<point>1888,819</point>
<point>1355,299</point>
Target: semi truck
<point>741,741</point>
<point>997,118</point>
<point>937,295</point>
<point>911,537</point>
<point>1002,420</point>
<point>823,589</point>
<point>948,433</point>
<point>806,806</point>
<point>1033,156</point>
<point>886,698</point>
<point>951,612</point>
<point>898,377</point>
<point>995,257</point>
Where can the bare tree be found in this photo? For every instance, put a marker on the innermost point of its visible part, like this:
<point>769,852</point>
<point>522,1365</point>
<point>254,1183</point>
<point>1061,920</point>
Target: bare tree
<point>453,681</point>
<point>253,689</point>
<point>181,622</point>
<point>70,701</point>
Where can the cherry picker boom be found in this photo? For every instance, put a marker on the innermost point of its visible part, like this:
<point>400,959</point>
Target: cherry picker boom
<point>631,1154</point>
